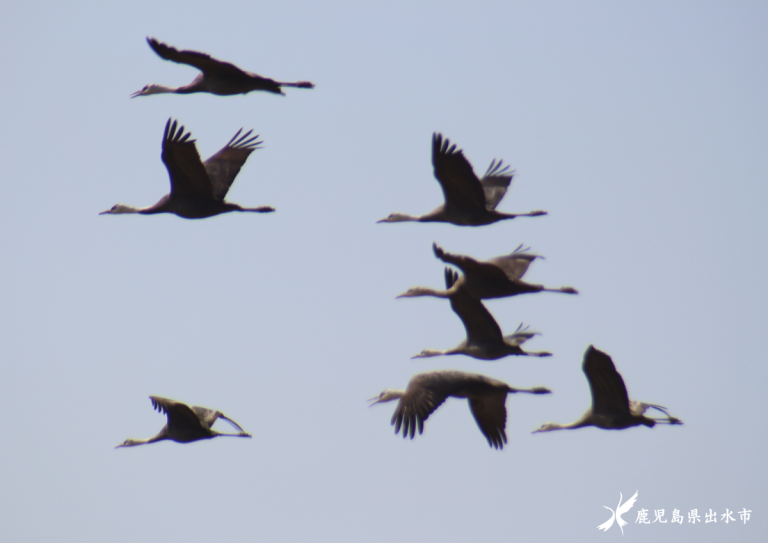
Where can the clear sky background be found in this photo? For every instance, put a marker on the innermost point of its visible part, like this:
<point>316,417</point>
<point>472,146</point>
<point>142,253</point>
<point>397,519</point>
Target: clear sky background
<point>639,126</point>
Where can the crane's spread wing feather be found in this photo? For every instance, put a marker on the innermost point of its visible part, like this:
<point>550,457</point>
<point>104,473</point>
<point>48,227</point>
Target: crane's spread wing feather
<point>209,416</point>
<point>180,415</point>
<point>609,394</point>
<point>639,408</point>
<point>462,262</point>
<point>478,321</point>
<point>203,62</point>
<point>515,264</point>
<point>461,187</point>
<point>424,394</point>
<point>490,414</point>
<point>189,178</point>
<point>520,336</point>
<point>495,183</point>
<point>509,267</point>
<point>479,271</point>
<point>224,166</point>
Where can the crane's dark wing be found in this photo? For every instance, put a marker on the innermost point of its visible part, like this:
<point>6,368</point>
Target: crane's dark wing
<point>201,61</point>
<point>461,187</point>
<point>479,271</point>
<point>425,393</point>
<point>495,183</point>
<point>188,176</point>
<point>609,394</point>
<point>224,166</point>
<point>478,322</point>
<point>515,264</point>
<point>209,416</point>
<point>179,414</point>
<point>491,416</point>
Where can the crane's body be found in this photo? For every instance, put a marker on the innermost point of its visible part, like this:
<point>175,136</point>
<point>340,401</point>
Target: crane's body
<point>215,77</point>
<point>484,339</point>
<point>495,278</point>
<point>611,407</point>
<point>427,391</point>
<point>469,201</point>
<point>198,188</point>
<point>185,424</point>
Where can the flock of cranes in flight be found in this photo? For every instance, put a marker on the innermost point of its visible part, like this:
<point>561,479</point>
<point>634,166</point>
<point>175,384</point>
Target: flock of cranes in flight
<point>198,190</point>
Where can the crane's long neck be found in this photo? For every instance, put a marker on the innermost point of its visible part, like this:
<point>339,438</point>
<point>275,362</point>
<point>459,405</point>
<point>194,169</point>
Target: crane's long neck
<point>585,420</point>
<point>426,291</point>
<point>400,217</point>
<point>388,395</point>
<point>153,88</point>
<point>119,209</point>
<point>133,442</point>
<point>427,353</point>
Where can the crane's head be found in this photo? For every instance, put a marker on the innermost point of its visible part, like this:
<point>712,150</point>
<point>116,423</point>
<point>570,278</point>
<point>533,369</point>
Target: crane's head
<point>398,217</point>
<point>119,208</point>
<point>387,396</point>
<point>546,427</point>
<point>130,443</point>
<point>426,353</point>
<point>151,89</point>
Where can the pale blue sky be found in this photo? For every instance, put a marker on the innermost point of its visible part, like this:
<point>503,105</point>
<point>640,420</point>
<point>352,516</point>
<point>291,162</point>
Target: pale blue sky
<point>640,127</point>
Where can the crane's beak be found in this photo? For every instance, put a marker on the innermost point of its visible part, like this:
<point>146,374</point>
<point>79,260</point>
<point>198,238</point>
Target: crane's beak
<point>373,400</point>
<point>105,212</point>
<point>137,93</point>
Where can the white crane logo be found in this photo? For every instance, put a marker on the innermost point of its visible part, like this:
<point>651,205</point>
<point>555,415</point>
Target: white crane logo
<point>620,510</point>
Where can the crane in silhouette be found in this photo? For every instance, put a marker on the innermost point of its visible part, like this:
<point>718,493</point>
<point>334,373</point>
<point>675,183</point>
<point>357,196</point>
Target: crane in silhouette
<point>611,407</point>
<point>215,77</point>
<point>185,424</point>
<point>198,188</point>
<point>495,278</point>
<point>484,339</point>
<point>427,391</point>
<point>469,201</point>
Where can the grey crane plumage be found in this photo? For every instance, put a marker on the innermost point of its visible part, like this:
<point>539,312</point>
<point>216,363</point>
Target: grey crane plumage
<point>495,278</point>
<point>611,407</point>
<point>215,77</point>
<point>484,338</point>
<point>469,201</point>
<point>198,188</point>
<point>185,424</point>
<point>427,391</point>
